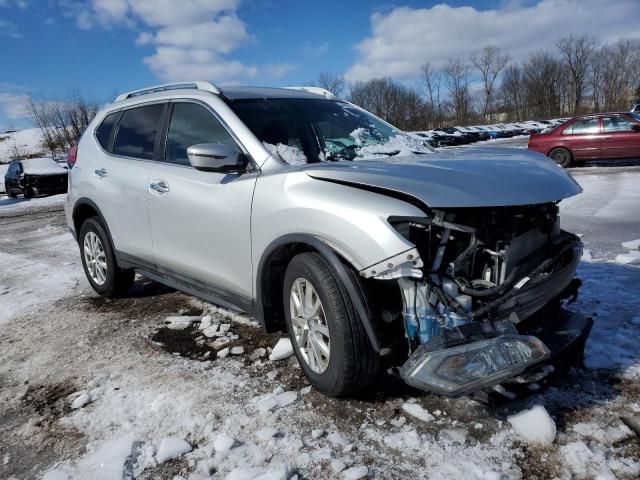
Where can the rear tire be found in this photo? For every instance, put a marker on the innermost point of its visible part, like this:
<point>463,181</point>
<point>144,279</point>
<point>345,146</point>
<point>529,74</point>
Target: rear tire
<point>352,363</point>
<point>99,262</point>
<point>28,192</point>
<point>561,156</point>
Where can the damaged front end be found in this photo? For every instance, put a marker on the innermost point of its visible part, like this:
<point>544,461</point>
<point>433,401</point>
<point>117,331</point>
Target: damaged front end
<point>487,307</point>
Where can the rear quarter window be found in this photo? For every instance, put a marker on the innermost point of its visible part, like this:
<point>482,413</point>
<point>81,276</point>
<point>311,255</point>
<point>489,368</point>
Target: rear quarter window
<point>137,131</point>
<point>103,132</point>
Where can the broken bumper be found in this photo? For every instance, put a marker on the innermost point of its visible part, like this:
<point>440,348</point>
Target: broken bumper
<point>481,364</point>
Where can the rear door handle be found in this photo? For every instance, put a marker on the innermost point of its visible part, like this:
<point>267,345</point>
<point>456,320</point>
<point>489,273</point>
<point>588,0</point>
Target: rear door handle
<point>100,172</point>
<point>159,186</point>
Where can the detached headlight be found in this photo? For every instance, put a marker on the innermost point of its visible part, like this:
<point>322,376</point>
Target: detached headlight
<point>459,370</point>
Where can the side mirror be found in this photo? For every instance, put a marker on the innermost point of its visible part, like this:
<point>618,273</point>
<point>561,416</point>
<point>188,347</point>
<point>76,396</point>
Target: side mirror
<point>216,157</point>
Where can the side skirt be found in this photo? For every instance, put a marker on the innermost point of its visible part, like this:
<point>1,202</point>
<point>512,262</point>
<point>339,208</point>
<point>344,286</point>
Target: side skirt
<point>187,284</point>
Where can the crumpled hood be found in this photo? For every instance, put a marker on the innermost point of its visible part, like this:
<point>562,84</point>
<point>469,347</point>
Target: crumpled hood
<point>467,177</point>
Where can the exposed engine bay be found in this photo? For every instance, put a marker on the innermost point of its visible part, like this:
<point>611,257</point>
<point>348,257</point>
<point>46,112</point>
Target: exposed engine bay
<point>483,273</point>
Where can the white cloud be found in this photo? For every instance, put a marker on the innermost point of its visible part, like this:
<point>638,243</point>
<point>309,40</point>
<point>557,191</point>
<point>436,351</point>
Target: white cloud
<point>13,105</point>
<point>405,38</point>
<point>192,38</point>
<point>8,29</point>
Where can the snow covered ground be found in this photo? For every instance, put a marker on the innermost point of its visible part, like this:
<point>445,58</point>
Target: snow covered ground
<point>122,389</point>
<point>24,142</point>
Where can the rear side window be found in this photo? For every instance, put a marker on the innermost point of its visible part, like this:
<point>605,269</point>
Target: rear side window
<point>192,124</point>
<point>616,124</point>
<point>103,132</point>
<point>137,132</point>
<point>583,127</point>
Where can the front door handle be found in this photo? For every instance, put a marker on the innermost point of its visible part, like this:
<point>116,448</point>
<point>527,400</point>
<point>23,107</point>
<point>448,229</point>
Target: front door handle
<point>159,186</point>
<point>101,172</point>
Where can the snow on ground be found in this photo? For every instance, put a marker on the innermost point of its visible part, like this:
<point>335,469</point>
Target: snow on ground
<point>146,409</point>
<point>25,142</point>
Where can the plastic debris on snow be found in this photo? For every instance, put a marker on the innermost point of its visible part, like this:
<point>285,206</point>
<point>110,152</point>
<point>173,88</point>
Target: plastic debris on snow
<point>416,411</point>
<point>172,447</point>
<point>283,349</point>
<point>534,425</point>
<point>354,473</point>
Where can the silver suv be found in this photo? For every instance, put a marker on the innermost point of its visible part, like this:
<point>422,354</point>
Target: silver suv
<point>315,216</point>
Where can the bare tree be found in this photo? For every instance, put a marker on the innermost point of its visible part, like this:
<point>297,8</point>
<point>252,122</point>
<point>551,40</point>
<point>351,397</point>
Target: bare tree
<point>456,74</point>
<point>490,62</point>
<point>512,92</point>
<point>61,123</point>
<point>432,79</point>
<point>576,51</point>
<point>542,73</point>
<point>335,83</point>
<point>399,105</point>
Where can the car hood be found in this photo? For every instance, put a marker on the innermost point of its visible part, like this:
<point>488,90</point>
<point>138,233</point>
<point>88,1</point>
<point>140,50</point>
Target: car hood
<point>469,177</point>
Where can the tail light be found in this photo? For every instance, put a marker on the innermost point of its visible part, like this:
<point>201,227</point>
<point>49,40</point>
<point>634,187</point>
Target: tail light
<point>72,156</point>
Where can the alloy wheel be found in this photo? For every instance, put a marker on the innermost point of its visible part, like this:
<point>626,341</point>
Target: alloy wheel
<point>95,258</point>
<point>310,329</point>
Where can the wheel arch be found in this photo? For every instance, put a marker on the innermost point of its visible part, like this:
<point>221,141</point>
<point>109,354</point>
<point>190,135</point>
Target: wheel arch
<point>83,209</point>
<point>269,310</point>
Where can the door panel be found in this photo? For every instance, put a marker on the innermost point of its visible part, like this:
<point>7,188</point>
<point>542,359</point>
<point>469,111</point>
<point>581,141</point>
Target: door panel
<point>584,138</point>
<point>200,221</point>
<point>620,140</point>
<point>122,180</point>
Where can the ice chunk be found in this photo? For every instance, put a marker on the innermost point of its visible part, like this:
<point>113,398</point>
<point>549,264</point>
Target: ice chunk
<point>267,404</point>
<point>219,343</point>
<point>223,443</point>
<point>418,412</point>
<point>257,353</point>
<point>338,439</point>
<point>316,433</point>
<point>172,447</point>
<point>223,353</point>
<point>354,473</point>
<point>534,425</point>
<point>632,245</point>
<point>180,323</point>
<point>453,435</point>
<point>81,400</point>
<point>286,398</point>
<point>337,466</point>
<point>225,327</point>
<point>404,440</point>
<point>210,331</point>
<point>266,433</point>
<point>282,350</point>
<point>631,258</point>
<point>305,390</point>
<point>237,350</point>
<point>205,322</point>
<point>272,374</point>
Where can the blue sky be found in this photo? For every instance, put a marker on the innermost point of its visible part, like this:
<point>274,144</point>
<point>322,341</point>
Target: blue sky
<point>101,47</point>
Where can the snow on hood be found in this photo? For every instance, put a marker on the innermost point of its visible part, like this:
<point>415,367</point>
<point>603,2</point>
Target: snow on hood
<point>42,166</point>
<point>471,177</point>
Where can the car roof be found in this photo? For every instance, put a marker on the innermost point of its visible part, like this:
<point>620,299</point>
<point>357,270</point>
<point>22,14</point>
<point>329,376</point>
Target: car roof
<point>242,93</point>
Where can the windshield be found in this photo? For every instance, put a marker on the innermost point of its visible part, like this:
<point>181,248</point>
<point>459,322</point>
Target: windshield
<point>309,130</point>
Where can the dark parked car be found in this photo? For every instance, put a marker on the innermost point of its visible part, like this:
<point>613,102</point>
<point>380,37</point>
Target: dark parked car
<point>35,176</point>
<point>606,135</point>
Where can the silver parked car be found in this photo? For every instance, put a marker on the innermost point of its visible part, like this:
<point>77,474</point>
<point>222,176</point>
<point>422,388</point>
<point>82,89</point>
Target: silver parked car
<point>315,216</point>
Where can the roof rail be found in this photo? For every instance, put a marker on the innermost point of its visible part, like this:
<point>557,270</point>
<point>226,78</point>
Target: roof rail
<point>317,90</point>
<point>198,85</point>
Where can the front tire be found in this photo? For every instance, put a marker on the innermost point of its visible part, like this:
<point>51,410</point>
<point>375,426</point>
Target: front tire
<point>99,263</point>
<point>562,157</point>
<point>328,338</point>
<point>10,192</point>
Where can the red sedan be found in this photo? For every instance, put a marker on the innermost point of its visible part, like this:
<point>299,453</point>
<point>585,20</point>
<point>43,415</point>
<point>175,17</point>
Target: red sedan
<point>604,135</point>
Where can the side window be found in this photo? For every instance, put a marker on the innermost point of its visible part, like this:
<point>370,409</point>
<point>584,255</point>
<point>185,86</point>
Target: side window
<point>616,124</point>
<point>192,124</point>
<point>137,132</point>
<point>583,127</point>
<point>103,132</point>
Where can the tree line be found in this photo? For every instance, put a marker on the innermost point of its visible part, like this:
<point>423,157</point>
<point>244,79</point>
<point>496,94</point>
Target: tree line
<point>580,75</point>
